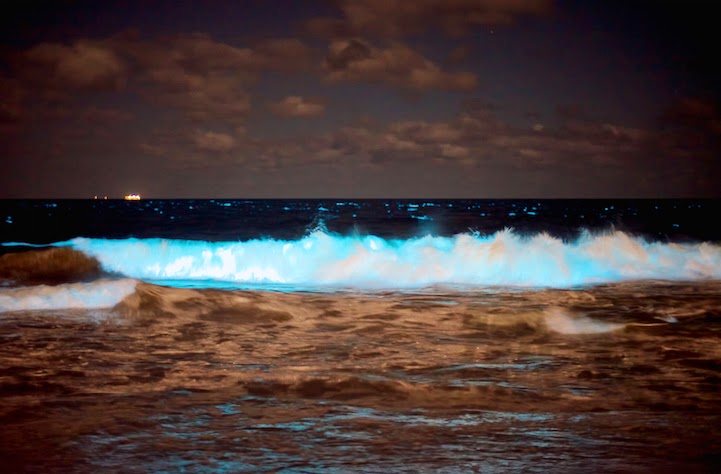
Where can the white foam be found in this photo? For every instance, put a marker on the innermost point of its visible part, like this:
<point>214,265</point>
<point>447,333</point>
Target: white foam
<point>562,321</point>
<point>97,294</point>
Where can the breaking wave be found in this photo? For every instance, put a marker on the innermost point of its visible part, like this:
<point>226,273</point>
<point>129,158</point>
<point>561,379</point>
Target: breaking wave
<point>369,262</point>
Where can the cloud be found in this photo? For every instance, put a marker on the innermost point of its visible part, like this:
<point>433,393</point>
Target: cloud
<point>192,147</point>
<point>691,128</point>
<point>214,142</point>
<point>82,65</point>
<point>11,101</point>
<point>459,54</point>
<point>282,54</point>
<point>693,112</point>
<point>469,140</point>
<point>427,132</point>
<point>95,114</point>
<point>398,66</point>
<point>208,80</point>
<point>398,18</point>
<point>211,80</point>
<point>296,106</point>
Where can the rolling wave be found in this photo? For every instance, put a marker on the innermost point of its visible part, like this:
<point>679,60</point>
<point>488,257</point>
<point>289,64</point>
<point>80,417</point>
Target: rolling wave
<point>369,262</point>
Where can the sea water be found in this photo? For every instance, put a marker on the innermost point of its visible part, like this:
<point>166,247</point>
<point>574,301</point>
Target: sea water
<point>360,336</point>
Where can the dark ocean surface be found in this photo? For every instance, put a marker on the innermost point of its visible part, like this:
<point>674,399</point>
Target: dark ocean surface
<point>307,336</point>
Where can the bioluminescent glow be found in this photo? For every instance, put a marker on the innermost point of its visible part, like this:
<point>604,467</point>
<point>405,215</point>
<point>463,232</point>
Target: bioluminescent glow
<point>93,295</point>
<point>370,262</point>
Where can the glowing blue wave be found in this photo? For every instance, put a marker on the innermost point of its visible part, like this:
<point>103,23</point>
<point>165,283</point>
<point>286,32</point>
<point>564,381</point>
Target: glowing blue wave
<point>321,259</point>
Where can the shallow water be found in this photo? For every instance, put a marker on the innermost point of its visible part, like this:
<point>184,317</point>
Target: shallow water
<point>622,377</point>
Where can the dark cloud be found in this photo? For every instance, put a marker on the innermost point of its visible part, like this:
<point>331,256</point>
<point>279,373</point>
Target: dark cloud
<point>693,112</point>
<point>296,106</point>
<point>459,54</point>
<point>397,65</point>
<point>207,80</point>
<point>282,54</point>
<point>476,140</point>
<point>87,65</point>
<point>195,147</point>
<point>78,98</point>
<point>467,141</point>
<point>397,18</point>
<point>11,101</point>
<point>571,112</point>
<point>343,54</point>
<point>691,128</point>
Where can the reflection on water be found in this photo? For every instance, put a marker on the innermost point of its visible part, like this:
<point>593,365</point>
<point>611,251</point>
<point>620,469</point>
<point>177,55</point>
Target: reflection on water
<point>613,378</point>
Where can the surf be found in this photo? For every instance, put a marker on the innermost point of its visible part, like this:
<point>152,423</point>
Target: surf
<point>322,259</point>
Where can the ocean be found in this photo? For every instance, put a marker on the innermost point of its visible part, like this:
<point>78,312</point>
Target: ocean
<point>370,336</point>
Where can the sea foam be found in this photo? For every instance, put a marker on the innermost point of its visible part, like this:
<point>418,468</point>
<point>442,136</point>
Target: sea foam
<point>93,295</point>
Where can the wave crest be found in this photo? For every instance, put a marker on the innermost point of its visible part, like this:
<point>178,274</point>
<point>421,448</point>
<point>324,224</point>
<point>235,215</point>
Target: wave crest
<point>322,259</point>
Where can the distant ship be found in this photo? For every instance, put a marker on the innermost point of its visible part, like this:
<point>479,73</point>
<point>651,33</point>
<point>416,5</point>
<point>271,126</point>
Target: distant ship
<point>132,197</point>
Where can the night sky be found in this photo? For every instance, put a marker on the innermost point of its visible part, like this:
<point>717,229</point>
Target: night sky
<point>359,99</point>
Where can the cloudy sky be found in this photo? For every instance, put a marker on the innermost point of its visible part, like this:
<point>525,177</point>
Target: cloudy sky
<point>359,98</point>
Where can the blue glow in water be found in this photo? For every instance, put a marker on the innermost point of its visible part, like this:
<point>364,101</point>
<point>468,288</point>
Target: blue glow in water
<point>228,408</point>
<point>371,262</point>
